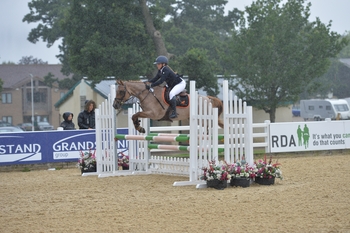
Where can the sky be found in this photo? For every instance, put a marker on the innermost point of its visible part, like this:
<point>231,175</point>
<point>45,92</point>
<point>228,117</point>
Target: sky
<point>14,44</point>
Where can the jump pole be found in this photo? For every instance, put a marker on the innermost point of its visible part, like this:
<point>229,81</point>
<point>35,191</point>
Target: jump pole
<point>153,138</point>
<point>181,148</point>
<point>161,137</point>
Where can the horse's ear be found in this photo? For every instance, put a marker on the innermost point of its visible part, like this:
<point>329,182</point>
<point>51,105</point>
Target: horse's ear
<point>120,82</point>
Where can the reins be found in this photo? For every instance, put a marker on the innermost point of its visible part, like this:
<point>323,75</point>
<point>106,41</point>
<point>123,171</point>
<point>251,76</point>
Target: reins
<point>155,97</point>
<point>137,96</point>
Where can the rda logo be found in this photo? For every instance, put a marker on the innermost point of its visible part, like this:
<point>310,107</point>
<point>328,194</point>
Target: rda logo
<point>290,141</point>
<point>303,136</point>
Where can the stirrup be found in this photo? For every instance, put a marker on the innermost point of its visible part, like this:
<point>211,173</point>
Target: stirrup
<point>173,114</point>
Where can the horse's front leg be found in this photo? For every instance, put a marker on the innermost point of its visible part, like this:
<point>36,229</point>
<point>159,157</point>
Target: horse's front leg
<point>136,121</point>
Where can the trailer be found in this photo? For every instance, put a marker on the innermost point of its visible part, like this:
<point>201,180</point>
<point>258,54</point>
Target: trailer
<point>320,109</point>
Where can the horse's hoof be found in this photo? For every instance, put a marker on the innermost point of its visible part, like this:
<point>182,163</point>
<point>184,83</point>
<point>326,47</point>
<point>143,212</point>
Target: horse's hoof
<point>142,130</point>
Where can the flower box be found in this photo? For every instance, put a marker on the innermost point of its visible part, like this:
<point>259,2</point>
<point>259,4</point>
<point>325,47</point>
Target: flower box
<point>123,161</point>
<point>88,169</point>
<point>216,175</point>
<point>240,182</point>
<point>267,171</point>
<point>87,161</point>
<point>265,181</point>
<point>217,184</point>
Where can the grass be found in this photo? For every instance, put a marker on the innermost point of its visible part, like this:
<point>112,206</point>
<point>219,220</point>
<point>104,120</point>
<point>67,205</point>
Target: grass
<point>26,169</point>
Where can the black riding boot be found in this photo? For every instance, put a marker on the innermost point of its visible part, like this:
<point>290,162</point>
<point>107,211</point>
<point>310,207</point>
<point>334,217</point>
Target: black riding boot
<point>173,106</point>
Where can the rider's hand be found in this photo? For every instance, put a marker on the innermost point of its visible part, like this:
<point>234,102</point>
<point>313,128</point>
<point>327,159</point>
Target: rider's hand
<point>148,87</point>
<point>151,89</point>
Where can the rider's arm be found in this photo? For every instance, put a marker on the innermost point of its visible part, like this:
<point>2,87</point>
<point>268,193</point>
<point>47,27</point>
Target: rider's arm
<point>163,76</point>
<point>155,77</point>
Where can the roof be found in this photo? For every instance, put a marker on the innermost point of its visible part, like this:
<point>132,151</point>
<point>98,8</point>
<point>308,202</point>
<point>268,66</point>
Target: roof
<point>102,88</point>
<point>66,96</point>
<point>345,61</point>
<point>14,75</point>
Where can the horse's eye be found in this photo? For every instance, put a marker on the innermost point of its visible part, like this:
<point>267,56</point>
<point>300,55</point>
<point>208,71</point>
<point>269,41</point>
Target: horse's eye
<point>122,93</point>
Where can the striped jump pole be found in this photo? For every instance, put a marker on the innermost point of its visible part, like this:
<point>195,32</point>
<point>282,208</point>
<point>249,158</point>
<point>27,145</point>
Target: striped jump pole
<point>180,148</point>
<point>220,136</point>
<point>162,137</point>
<point>153,138</point>
<point>169,147</point>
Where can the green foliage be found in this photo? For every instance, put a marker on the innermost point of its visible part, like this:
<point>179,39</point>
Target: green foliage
<point>345,52</point>
<point>1,83</point>
<point>113,44</point>
<point>198,67</point>
<point>108,37</point>
<point>49,79</point>
<point>276,52</point>
<point>8,63</point>
<point>68,83</point>
<point>26,169</point>
<point>49,15</point>
<point>198,24</point>
<point>30,60</point>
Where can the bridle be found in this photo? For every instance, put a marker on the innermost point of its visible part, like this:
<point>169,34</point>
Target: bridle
<point>120,100</point>
<point>131,96</point>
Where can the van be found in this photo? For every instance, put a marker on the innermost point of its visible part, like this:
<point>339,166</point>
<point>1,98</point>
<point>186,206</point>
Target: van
<point>318,109</point>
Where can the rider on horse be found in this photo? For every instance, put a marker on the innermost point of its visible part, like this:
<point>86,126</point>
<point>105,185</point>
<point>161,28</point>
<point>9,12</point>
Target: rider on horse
<point>173,80</point>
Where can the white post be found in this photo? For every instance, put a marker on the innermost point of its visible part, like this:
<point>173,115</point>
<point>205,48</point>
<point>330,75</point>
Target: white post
<point>226,107</point>
<point>193,132</point>
<point>248,134</point>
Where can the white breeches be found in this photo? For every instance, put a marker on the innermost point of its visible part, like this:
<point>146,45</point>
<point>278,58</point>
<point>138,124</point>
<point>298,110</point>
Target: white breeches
<point>177,89</point>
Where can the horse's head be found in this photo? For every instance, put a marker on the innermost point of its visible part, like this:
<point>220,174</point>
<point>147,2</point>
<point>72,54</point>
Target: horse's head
<point>121,96</point>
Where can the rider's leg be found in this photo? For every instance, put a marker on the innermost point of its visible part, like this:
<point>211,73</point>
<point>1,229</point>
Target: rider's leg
<point>176,90</point>
<point>173,107</point>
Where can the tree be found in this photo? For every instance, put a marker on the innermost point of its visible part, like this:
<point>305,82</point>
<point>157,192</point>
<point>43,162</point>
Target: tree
<point>335,80</point>
<point>276,52</point>
<point>49,15</point>
<point>66,83</point>
<point>8,63</point>
<point>198,68</point>
<point>1,83</point>
<point>114,43</point>
<point>199,24</point>
<point>121,38</point>
<point>30,60</point>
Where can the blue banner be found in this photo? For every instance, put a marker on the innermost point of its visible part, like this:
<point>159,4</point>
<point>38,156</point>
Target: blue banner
<point>49,146</point>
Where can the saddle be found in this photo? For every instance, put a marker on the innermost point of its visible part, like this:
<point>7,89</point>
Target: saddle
<point>182,99</point>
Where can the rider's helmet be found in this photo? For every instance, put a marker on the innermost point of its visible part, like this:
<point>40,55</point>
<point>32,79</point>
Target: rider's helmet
<point>161,59</point>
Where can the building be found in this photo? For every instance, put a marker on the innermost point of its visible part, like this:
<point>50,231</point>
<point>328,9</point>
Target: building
<point>16,97</point>
<point>74,100</point>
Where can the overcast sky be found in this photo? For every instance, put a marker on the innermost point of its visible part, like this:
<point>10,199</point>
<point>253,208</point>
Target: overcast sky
<point>14,44</point>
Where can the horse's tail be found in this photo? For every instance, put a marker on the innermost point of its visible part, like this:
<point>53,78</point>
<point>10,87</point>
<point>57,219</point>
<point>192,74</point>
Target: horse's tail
<point>217,103</point>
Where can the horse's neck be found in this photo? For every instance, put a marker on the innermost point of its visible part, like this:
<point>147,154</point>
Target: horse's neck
<point>135,88</point>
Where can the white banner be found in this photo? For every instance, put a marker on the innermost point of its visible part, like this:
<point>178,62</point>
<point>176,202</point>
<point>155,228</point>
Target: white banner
<point>309,136</point>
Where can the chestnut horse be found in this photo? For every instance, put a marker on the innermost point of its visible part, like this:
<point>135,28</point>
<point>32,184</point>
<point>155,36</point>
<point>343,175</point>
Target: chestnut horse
<point>153,104</point>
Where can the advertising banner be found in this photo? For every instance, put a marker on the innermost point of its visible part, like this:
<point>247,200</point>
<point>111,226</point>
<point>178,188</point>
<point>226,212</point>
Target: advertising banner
<point>309,136</point>
<point>49,146</point>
